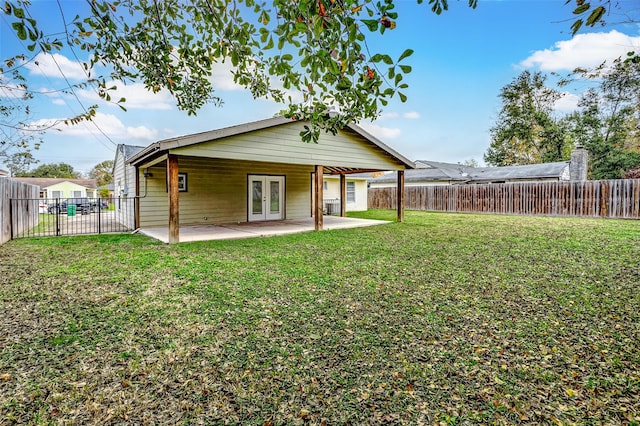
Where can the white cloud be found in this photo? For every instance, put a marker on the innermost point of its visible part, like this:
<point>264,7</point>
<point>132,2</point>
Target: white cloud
<point>56,66</point>
<point>222,78</point>
<point>388,115</point>
<point>583,50</point>
<point>381,132</point>
<point>136,95</point>
<point>411,115</point>
<point>108,123</point>
<point>567,103</point>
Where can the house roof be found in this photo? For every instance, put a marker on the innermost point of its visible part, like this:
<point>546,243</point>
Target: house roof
<point>47,182</point>
<point>163,146</point>
<point>438,171</point>
<point>130,150</point>
<point>528,171</point>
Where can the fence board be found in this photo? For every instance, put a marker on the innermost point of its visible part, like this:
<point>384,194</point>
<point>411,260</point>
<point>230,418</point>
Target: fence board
<point>606,198</point>
<point>10,189</point>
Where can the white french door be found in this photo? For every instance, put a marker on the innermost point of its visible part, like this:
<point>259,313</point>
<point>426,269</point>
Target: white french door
<point>266,197</point>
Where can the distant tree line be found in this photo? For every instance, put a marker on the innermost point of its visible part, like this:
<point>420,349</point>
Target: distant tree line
<point>606,123</point>
<point>101,172</point>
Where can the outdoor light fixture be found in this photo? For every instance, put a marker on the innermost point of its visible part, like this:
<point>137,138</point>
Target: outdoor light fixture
<point>147,173</point>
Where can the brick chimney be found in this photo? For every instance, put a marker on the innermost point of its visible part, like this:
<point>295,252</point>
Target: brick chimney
<point>579,164</point>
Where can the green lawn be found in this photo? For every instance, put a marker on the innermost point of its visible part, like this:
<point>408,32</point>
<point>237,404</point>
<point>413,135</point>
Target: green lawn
<point>443,318</point>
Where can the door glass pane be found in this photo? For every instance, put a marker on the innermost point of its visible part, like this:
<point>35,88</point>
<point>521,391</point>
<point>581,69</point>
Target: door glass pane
<point>274,206</point>
<point>256,199</point>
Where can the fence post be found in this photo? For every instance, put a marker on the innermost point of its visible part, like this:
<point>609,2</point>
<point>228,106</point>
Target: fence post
<point>604,198</point>
<point>11,217</point>
<point>57,211</point>
<point>99,216</point>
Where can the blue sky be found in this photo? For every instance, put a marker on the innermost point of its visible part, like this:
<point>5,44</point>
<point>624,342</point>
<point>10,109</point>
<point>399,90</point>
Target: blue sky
<point>462,59</point>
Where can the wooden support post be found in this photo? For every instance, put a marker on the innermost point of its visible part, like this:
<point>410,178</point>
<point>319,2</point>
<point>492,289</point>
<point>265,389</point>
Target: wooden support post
<point>174,205</point>
<point>343,195</point>
<point>317,198</point>
<point>400,196</point>
<point>136,203</point>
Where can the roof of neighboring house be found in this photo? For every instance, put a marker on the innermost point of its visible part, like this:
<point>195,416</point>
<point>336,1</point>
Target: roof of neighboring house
<point>528,171</point>
<point>4,173</point>
<point>130,150</point>
<point>212,135</point>
<point>438,171</point>
<point>47,182</point>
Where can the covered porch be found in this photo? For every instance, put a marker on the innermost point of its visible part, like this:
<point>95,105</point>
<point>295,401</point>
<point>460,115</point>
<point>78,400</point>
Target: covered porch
<point>234,231</point>
<point>259,172</point>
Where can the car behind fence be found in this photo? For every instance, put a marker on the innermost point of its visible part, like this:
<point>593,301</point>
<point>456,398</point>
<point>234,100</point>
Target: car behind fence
<point>72,216</point>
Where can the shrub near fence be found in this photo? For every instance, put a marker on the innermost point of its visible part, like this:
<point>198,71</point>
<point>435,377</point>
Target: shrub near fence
<point>606,198</point>
<point>10,189</point>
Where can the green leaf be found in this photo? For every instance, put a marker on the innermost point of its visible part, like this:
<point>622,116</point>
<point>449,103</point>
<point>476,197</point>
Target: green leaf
<point>372,24</point>
<point>20,30</point>
<point>405,54</point>
<point>402,96</point>
<point>387,59</point>
<point>405,68</point>
<point>343,84</point>
<point>582,8</point>
<point>18,13</point>
<point>287,57</point>
<point>576,26</point>
<point>596,16</point>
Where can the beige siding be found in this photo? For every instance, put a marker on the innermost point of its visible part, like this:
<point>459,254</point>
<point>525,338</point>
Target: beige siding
<point>217,191</point>
<point>333,192</point>
<point>283,144</point>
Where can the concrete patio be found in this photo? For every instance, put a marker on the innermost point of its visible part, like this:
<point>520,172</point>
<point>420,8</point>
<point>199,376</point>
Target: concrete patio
<point>256,229</point>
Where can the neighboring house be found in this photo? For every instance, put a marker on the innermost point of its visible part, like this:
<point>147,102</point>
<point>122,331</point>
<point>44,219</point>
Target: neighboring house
<point>4,173</point>
<point>124,175</point>
<point>124,184</point>
<point>438,173</point>
<point>355,189</point>
<point>62,187</point>
<point>251,172</point>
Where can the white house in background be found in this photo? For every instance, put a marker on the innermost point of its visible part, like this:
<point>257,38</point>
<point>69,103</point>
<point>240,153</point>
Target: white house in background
<point>124,183</point>
<point>356,192</point>
<point>4,173</point>
<point>62,187</point>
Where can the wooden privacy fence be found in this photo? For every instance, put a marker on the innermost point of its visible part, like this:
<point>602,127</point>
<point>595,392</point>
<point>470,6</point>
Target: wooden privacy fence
<point>605,198</point>
<point>28,217</point>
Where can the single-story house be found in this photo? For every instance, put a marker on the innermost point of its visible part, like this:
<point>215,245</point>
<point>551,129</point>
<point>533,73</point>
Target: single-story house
<point>258,171</point>
<point>62,187</point>
<point>4,173</point>
<point>438,173</point>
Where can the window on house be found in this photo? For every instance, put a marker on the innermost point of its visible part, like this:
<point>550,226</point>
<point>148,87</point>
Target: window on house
<point>324,185</point>
<point>56,194</point>
<point>76,194</point>
<point>351,192</point>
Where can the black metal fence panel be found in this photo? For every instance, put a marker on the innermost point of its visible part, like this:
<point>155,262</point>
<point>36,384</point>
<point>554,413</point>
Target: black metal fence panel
<point>39,217</point>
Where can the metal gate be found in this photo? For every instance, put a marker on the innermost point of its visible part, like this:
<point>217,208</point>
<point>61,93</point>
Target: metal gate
<point>42,217</point>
